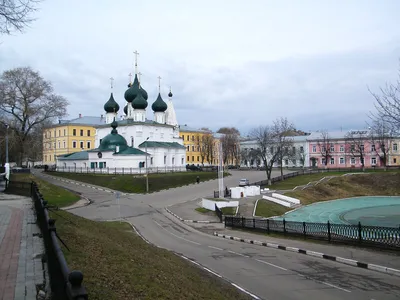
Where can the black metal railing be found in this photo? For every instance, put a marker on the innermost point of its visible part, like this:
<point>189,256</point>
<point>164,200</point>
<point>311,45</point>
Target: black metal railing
<point>219,213</point>
<point>65,284</point>
<point>375,236</point>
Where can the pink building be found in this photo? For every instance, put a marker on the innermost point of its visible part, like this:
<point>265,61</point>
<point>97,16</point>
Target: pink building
<point>344,150</point>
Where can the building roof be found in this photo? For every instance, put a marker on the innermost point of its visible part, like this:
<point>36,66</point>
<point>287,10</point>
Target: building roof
<point>82,155</point>
<point>112,140</point>
<point>336,135</point>
<point>153,144</point>
<point>111,105</point>
<point>131,151</point>
<point>159,105</point>
<point>185,128</point>
<point>127,122</point>
<point>86,120</point>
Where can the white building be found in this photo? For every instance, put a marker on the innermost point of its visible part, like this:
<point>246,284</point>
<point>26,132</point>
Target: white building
<point>300,148</point>
<point>137,143</point>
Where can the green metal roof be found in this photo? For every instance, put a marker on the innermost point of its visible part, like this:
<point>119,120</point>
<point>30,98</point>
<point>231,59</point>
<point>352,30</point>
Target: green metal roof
<point>151,144</point>
<point>131,151</point>
<point>82,155</point>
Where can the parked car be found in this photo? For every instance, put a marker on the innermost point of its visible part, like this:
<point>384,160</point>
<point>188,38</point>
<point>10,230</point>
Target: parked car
<point>244,182</point>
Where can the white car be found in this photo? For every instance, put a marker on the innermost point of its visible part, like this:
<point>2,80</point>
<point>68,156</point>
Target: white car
<point>244,182</point>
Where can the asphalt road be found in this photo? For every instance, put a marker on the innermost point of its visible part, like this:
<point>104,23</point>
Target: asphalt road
<point>264,272</point>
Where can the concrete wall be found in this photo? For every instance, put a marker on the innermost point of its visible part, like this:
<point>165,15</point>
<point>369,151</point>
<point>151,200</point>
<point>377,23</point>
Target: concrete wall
<point>286,198</point>
<point>277,201</point>
<point>210,204</point>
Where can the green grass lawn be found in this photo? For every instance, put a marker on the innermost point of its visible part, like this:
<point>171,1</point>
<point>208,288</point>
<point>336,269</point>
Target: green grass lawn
<point>53,194</point>
<point>202,210</point>
<point>230,211</point>
<point>291,183</point>
<point>137,184</point>
<point>117,265</point>
<point>269,209</point>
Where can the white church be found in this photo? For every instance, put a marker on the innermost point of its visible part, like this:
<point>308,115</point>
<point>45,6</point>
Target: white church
<point>134,144</point>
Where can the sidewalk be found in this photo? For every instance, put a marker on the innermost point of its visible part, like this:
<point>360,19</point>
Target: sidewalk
<point>187,211</point>
<point>371,256</point>
<point>21,249</point>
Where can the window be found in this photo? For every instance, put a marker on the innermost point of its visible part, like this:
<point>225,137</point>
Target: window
<point>188,148</point>
<point>362,147</point>
<point>323,149</point>
<point>341,149</point>
<point>173,161</point>
<point>361,160</point>
<point>332,161</point>
<point>352,147</point>
<point>192,158</point>
<point>395,147</point>
<point>88,132</point>
<point>323,161</point>
<point>151,160</point>
<point>198,158</point>
<point>198,138</point>
<point>301,149</point>
<point>187,158</point>
<point>341,160</point>
<point>193,148</point>
<point>73,144</point>
<point>59,132</point>
<point>293,150</point>
<point>45,158</point>
<point>314,148</point>
<point>88,145</point>
<point>81,145</point>
<point>193,138</point>
<point>63,144</point>
<point>183,160</point>
<point>332,148</point>
<point>187,138</point>
<point>394,160</point>
<point>100,140</point>
<point>373,148</point>
<point>59,144</point>
<point>373,160</point>
<point>293,161</point>
<point>74,132</point>
<point>65,132</point>
<point>286,162</point>
<point>165,160</point>
<point>353,161</point>
<point>54,145</point>
<point>81,132</point>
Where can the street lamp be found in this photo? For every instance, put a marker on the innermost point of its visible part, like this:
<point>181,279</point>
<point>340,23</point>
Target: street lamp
<point>147,175</point>
<point>6,142</point>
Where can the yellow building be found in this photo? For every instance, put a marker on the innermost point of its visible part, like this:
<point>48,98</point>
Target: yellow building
<point>198,146</point>
<point>69,136</point>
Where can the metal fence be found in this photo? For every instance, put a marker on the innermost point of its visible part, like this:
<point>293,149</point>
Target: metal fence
<point>65,284</point>
<point>375,236</point>
<point>122,171</point>
<point>219,213</point>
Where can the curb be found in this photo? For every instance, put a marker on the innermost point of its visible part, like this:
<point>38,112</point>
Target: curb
<point>189,221</point>
<point>84,184</point>
<point>338,259</point>
<point>73,206</point>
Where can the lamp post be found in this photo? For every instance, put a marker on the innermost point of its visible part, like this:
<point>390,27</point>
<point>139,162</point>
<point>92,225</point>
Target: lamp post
<point>147,175</point>
<point>6,143</point>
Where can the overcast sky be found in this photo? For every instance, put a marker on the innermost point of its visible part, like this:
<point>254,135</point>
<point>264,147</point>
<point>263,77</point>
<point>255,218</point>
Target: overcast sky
<point>230,63</point>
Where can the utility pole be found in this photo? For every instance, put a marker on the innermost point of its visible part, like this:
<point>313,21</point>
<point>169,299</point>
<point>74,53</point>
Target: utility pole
<point>6,143</point>
<point>147,174</point>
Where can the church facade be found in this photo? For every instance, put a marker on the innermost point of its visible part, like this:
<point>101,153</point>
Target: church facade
<point>134,144</point>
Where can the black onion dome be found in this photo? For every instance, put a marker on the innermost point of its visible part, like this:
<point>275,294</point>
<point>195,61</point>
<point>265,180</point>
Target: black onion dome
<point>159,105</point>
<point>134,90</point>
<point>111,105</point>
<point>139,102</point>
<point>126,109</point>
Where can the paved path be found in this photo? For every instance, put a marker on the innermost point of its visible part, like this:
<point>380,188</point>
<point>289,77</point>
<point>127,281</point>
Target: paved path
<point>265,272</point>
<point>21,269</point>
<point>187,211</point>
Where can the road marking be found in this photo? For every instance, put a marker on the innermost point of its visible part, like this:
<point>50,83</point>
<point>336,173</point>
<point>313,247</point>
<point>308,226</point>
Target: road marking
<point>335,286</point>
<point>244,291</point>
<point>240,254</point>
<point>179,237</point>
<point>272,265</point>
<point>215,248</point>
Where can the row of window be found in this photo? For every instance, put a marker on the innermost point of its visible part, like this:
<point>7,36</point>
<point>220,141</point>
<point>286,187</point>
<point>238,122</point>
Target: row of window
<point>64,145</point>
<point>74,131</point>
<point>352,148</point>
<point>352,160</point>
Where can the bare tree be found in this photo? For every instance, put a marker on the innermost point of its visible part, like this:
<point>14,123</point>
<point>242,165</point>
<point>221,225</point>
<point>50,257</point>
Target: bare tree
<point>230,143</point>
<point>267,145</point>
<point>301,156</point>
<point>208,147</point>
<point>201,148</point>
<point>379,138</point>
<point>28,101</point>
<point>282,128</point>
<point>388,104</point>
<point>15,15</point>
<point>355,144</point>
<point>325,146</point>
